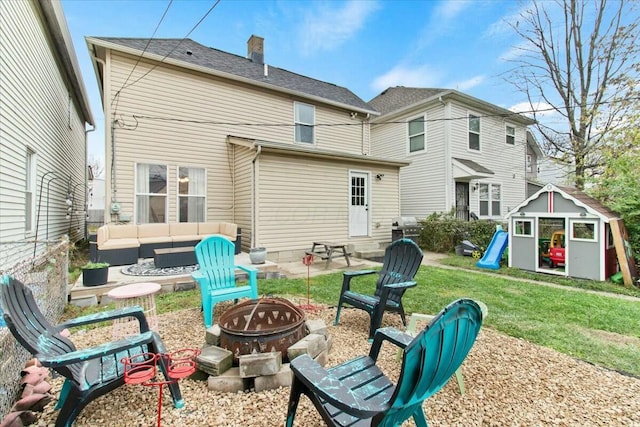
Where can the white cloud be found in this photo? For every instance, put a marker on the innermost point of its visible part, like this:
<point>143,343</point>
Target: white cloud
<point>422,76</point>
<point>450,9</point>
<point>503,25</point>
<point>469,83</point>
<point>542,109</point>
<point>325,28</point>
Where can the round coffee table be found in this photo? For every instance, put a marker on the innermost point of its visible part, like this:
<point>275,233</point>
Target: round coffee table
<point>142,294</point>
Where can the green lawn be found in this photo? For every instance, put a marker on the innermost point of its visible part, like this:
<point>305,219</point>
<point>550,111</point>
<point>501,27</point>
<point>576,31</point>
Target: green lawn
<point>598,329</point>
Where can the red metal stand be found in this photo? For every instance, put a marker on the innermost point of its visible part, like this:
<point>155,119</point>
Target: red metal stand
<point>308,260</point>
<point>143,368</point>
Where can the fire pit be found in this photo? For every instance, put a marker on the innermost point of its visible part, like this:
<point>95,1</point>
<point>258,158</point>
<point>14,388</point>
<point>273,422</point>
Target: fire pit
<point>261,326</point>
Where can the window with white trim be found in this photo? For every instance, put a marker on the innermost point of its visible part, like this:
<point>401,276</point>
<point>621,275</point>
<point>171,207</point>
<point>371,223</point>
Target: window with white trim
<point>417,134</point>
<point>523,228</point>
<point>489,199</point>
<point>510,134</point>
<point>585,231</point>
<point>474,132</point>
<point>191,194</point>
<point>529,163</point>
<point>151,193</point>
<point>30,191</point>
<point>304,121</point>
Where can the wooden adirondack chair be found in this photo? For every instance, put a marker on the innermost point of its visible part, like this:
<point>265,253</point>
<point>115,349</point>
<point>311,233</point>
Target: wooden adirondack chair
<point>402,259</point>
<point>216,275</point>
<point>90,372</point>
<point>358,393</point>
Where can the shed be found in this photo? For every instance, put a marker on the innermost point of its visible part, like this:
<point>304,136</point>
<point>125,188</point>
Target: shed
<point>563,231</point>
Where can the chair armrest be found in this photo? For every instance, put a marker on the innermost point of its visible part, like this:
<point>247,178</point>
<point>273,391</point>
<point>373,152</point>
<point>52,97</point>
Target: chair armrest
<point>134,311</point>
<point>403,285</point>
<point>394,336</point>
<point>96,352</point>
<point>247,268</point>
<point>348,275</point>
<point>359,272</point>
<point>197,275</point>
<point>332,389</point>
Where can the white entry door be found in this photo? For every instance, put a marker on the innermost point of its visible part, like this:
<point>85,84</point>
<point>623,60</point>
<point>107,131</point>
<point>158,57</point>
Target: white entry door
<point>359,204</point>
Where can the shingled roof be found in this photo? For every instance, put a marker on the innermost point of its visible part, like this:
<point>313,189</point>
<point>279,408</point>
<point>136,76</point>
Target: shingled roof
<point>193,53</point>
<point>395,98</point>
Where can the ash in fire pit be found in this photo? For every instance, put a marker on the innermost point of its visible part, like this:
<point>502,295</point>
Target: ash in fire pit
<point>261,326</point>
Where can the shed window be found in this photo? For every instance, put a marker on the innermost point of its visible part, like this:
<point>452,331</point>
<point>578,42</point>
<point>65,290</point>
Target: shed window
<point>523,227</point>
<point>584,230</point>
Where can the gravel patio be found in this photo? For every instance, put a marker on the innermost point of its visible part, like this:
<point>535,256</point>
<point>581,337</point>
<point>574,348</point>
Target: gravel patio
<point>509,382</point>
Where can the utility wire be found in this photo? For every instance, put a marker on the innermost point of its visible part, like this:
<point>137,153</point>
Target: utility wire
<point>116,96</point>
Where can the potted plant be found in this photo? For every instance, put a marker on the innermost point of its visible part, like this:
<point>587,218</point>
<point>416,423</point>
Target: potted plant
<point>258,255</point>
<point>95,273</point>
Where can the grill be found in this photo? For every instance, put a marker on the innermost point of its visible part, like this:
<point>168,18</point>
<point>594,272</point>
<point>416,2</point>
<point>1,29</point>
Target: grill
<point>261,326</point>
<point>405,227</point>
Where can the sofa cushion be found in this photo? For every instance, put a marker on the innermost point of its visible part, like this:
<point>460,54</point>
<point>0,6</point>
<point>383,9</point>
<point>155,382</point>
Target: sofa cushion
<point>208,228</point>
<point>153,230</point>
<point>184,231</point>
<point>128,231</point>
<point>119,244</point>
<point>229,229</point>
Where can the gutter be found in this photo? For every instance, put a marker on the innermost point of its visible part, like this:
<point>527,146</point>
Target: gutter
<point>254,193</point>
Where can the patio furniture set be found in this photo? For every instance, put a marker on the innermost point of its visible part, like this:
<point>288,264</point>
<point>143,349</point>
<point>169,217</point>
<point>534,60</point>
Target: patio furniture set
<point>356,391</point>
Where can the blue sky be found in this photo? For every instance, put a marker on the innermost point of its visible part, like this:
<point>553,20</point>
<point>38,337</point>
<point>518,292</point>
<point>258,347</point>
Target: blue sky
<point>364,45</point>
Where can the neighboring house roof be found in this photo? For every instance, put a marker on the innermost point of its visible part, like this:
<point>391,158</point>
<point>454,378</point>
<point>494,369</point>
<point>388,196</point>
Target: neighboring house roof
<point>578,197</point>
<point>396,100</point>
<point>187,53</point>
<point>64,50</point>
<point>282,148</point>
<point>476,167</point>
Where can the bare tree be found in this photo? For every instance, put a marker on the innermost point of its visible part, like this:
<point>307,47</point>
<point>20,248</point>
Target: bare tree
<point>97,168</point>
<point>580,58</point>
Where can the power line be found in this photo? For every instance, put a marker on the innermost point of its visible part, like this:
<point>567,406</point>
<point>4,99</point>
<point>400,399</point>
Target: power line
<point>116,96</point>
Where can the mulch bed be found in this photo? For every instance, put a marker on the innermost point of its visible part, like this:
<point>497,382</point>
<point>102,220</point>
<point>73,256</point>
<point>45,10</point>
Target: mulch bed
<point>509,382</point>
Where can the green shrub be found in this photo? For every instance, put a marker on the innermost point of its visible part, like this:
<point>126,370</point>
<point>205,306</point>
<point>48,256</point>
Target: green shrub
<point>442,232</point>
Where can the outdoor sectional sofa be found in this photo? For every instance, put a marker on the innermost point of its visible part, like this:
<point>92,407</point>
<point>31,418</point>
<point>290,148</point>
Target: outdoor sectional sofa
<point>123,244</point>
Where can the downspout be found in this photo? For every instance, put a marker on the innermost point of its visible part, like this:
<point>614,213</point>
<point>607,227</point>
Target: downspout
<point>254,195</point>
<point>86,178</point>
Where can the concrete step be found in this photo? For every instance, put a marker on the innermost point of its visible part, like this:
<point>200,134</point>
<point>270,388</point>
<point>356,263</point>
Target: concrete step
<point>371,254</point>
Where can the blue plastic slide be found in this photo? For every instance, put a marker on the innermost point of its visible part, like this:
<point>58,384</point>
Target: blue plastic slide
<point>493,254</point>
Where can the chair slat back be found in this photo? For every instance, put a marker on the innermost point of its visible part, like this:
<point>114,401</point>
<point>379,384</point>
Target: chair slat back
<point>435,354</point>
<point>215,255</point>
<point>29,326</point>
<point>402,260</point>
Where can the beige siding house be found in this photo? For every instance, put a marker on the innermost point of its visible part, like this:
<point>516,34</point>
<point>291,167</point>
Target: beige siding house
<point>197,134</point>
<point>466,154</point>
<point>43,112</point>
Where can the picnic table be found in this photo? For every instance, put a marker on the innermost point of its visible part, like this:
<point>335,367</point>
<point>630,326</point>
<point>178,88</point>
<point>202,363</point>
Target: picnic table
<point>327,250</point>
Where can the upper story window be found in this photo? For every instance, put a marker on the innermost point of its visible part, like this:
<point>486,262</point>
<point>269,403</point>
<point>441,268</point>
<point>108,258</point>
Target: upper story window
<point>191,194</point>
<point>417,134</point>
<point>510,133</point>
<point>304,121</point>
<point>474,132</point>
<point>151,193</point>
<point>30,191</point>
<point>529,163</point>
<point>489,199</point>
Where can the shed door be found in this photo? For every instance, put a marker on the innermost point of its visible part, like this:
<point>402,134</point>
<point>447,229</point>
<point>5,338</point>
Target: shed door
<point>359,204</point>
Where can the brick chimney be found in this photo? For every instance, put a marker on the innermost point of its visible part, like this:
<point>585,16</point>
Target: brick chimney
<point>255,49</point>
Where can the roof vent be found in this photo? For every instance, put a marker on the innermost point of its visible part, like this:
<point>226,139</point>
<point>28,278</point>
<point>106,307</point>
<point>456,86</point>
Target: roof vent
<point>255,49</point>
<point>189,53</point>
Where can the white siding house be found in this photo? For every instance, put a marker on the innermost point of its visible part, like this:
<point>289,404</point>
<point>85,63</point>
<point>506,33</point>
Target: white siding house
<point>466,155</point>
<point>284,156</point>
<point>43,112</point>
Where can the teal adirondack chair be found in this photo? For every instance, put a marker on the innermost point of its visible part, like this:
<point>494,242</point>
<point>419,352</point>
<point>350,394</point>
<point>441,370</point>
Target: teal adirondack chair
<point>216,275</point>
<point>358,393</point>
